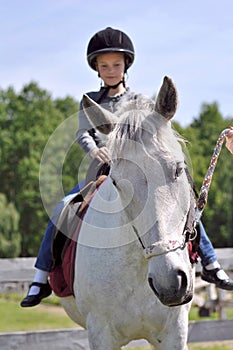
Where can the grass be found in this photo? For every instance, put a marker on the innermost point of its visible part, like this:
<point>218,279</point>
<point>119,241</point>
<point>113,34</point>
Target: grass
<point>226,345</point>
<point>193,315</point>
<point>14,318</point>
<point>199,346</point>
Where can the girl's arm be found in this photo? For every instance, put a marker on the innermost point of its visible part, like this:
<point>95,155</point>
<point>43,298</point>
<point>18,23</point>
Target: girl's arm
<point>89,141</point>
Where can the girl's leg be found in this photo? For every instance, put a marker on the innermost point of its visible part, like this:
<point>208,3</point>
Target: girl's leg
<point>206,249</point>
<point>40,288</point>
<point>212,271</point>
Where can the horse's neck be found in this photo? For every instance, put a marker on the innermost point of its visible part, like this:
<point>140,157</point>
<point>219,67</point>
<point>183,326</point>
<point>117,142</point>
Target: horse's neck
<point>105,224</point>
<point>110,237</point>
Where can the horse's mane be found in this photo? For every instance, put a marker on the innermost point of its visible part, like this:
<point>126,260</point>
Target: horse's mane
<point>137,117</point>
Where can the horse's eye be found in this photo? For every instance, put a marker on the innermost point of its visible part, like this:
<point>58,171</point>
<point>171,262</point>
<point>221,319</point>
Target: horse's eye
<point>179,170</point>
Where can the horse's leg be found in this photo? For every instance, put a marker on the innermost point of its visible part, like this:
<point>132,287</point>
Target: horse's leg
<point>99,340</point>
<point>100,337</point>
<point>173,337</point>
<point>170,344</point>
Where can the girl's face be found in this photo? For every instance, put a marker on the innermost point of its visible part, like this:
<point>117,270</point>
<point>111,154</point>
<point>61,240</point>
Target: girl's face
<point>111,67</point>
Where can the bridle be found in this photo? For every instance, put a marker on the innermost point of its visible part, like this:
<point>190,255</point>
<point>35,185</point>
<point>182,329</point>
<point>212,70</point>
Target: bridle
<point>190,229</point>
<point>165,246</point>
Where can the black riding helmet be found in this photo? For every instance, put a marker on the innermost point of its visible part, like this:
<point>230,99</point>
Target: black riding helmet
<point>110,40</point>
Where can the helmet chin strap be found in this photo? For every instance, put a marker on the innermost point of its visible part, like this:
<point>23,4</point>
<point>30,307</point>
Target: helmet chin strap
<point>107,88</point>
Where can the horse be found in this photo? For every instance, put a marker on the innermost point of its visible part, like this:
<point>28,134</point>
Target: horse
<point>133,277</point>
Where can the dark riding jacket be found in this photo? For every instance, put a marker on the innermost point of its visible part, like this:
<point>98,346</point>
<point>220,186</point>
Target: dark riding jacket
<point>88,137</point>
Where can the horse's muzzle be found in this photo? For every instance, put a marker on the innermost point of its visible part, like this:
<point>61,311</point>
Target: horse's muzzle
<point>178,293</point>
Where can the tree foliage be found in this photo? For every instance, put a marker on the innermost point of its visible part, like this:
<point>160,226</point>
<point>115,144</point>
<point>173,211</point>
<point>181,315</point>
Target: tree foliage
<point>27,121</point>
<point>40,162</point>
<point>9,229</point>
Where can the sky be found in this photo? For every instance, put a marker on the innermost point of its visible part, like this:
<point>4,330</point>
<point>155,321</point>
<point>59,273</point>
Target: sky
<point>189,41</point>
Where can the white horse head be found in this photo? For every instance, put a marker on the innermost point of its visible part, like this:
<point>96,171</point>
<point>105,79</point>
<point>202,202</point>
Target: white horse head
<point>147,170</point>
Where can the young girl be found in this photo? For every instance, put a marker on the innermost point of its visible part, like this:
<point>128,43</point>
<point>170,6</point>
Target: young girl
<point>110,53</point>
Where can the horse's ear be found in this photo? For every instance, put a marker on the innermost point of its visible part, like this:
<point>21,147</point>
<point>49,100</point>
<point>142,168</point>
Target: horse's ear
<point>101,119</point>
<point>167,99</point>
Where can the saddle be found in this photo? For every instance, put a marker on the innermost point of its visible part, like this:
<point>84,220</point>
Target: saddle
<point>65,238</point>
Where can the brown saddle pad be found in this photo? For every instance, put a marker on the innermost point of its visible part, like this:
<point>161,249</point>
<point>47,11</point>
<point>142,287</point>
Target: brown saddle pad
<point>66,236</point>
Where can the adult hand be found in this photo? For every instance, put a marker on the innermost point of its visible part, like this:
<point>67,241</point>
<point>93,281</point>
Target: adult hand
<point>229,140</point>
<point>101,154</point>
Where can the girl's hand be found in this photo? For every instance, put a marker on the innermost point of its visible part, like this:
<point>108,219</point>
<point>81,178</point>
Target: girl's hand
<point>101,154</point>
<point>229,141</point>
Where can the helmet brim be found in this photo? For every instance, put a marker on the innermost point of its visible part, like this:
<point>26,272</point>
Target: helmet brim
<point>91,58</point>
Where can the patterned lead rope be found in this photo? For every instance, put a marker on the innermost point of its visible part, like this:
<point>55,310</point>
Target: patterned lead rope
<point>202,200</point>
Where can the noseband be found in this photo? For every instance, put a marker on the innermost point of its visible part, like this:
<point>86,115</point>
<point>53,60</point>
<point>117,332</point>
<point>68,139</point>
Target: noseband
<point>166,246</point>
<point>163,247</point>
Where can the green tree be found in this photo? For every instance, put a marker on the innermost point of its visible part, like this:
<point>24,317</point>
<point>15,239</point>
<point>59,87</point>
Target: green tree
<point>202,135</point>
<point>28,121</point>
<point>9,229</point>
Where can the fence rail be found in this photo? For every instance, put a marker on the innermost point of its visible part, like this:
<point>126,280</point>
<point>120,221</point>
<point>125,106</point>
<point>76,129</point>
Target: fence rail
<point>21,270</point>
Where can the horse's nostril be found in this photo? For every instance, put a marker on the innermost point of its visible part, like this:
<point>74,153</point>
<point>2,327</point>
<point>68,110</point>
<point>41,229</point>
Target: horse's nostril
<point>183,279</point>
<point>150,280</point>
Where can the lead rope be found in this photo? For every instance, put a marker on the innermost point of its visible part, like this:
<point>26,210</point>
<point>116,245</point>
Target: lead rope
<point>202,200</point>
